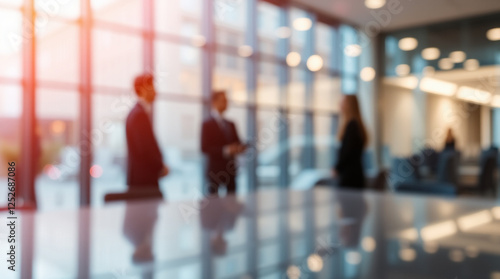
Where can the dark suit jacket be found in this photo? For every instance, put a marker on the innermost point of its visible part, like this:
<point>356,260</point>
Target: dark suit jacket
<point>213,140</point>
<point>145,160</point>
<point>349,165</point>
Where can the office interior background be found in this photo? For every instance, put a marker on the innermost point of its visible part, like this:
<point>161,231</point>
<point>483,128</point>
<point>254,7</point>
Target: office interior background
<point>418,68</point>
<point>68,66</point>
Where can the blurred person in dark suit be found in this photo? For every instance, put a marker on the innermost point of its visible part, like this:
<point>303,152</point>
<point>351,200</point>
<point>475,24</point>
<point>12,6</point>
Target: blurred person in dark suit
<point>145,161</point>
<point>221,144</point>
<point>354,138</point>
<point>145,168</point>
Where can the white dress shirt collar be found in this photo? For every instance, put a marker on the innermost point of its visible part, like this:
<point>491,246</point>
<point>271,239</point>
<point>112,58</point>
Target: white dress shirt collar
<point>146,106</point>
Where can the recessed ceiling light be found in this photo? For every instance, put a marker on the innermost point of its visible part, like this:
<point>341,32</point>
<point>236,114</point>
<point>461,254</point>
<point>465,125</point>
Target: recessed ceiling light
<point>293,59</point>
<point>352,50</point>
<point>403,70</point>
<point>302,24</point>
<point>374,4</point>
<point>367,74</point>
<point>431,53</point>
<point>493,34</point>
<point>283,32</point>
<point>458,56</point>
<point>471,64</point>
<point>408,44</point>
<point>446,64</point>
<point>315,63</point>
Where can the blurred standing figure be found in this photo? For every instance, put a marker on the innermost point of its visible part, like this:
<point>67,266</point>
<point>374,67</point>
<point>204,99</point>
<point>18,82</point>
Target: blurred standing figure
<point>353,137</point>
<point>145,161</point>
<point>145,167</point>
<point>221,144</point>
<point>449,143</point>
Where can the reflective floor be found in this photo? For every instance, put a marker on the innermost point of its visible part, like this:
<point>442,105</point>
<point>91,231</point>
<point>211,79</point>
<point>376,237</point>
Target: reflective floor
<point>320,233</point>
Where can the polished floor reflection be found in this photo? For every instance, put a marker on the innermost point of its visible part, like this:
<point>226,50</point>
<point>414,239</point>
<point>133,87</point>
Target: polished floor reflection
<point>321,233</point>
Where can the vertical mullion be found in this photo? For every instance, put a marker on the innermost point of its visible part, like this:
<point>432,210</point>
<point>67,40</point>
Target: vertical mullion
<point>84,217</point>
<point>251,81</point>
<point>29,113</point>
<point>284,79</point>
<point>27,166</point>
<point>308,149</point>
<point>148,51</point>
<point>251,84</point>
<point>208,52</point>
<point>85,102</point>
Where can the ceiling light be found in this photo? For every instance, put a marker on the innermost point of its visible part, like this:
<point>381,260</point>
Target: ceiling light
<point>436,86</point>
<point>493,34</point>
<point>315,263</point>
<point>437,231</point>
<point>245,51</point>
<point>315,63</point>
<point>352,50</point>
<point>374,4</point>
<point>431,53</point>
<point>408,44</point>
<point>293,272</point>
<point>408,254</point>
<point>283,32</point>
<point>428,71</point>
<point>369,244</point>
<point>471,64</point>
<point>302,24</point>
<point>403,70</point>
<point>293,59</point>
<point>474,95</point>
<point>458,56</point>
<point>367,74</point>
<point>446,64</point>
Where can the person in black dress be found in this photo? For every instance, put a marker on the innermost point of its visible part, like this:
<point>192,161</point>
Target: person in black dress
<point>353,137</point>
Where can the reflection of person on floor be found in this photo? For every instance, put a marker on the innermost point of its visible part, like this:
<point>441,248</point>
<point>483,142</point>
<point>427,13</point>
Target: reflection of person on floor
<point>138,227</point>
<point>219,216</point>
<point>353,208</point>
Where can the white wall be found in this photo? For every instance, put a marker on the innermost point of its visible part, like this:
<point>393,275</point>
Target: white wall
<point>468,122</point>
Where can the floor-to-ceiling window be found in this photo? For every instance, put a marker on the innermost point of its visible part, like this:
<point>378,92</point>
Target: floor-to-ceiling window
<point>282,68</point>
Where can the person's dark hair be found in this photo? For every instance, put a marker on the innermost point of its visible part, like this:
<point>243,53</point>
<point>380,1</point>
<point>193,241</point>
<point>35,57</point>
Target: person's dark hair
<point>142,81</point>
<point>353,113</point>
<point>216,94</point>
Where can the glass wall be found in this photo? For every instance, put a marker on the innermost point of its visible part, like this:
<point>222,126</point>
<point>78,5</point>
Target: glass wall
<point>289,75</point>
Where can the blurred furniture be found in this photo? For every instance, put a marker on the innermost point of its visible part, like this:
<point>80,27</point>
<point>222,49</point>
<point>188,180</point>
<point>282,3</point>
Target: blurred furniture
<point>134,195</point>
<point>486,183</point>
